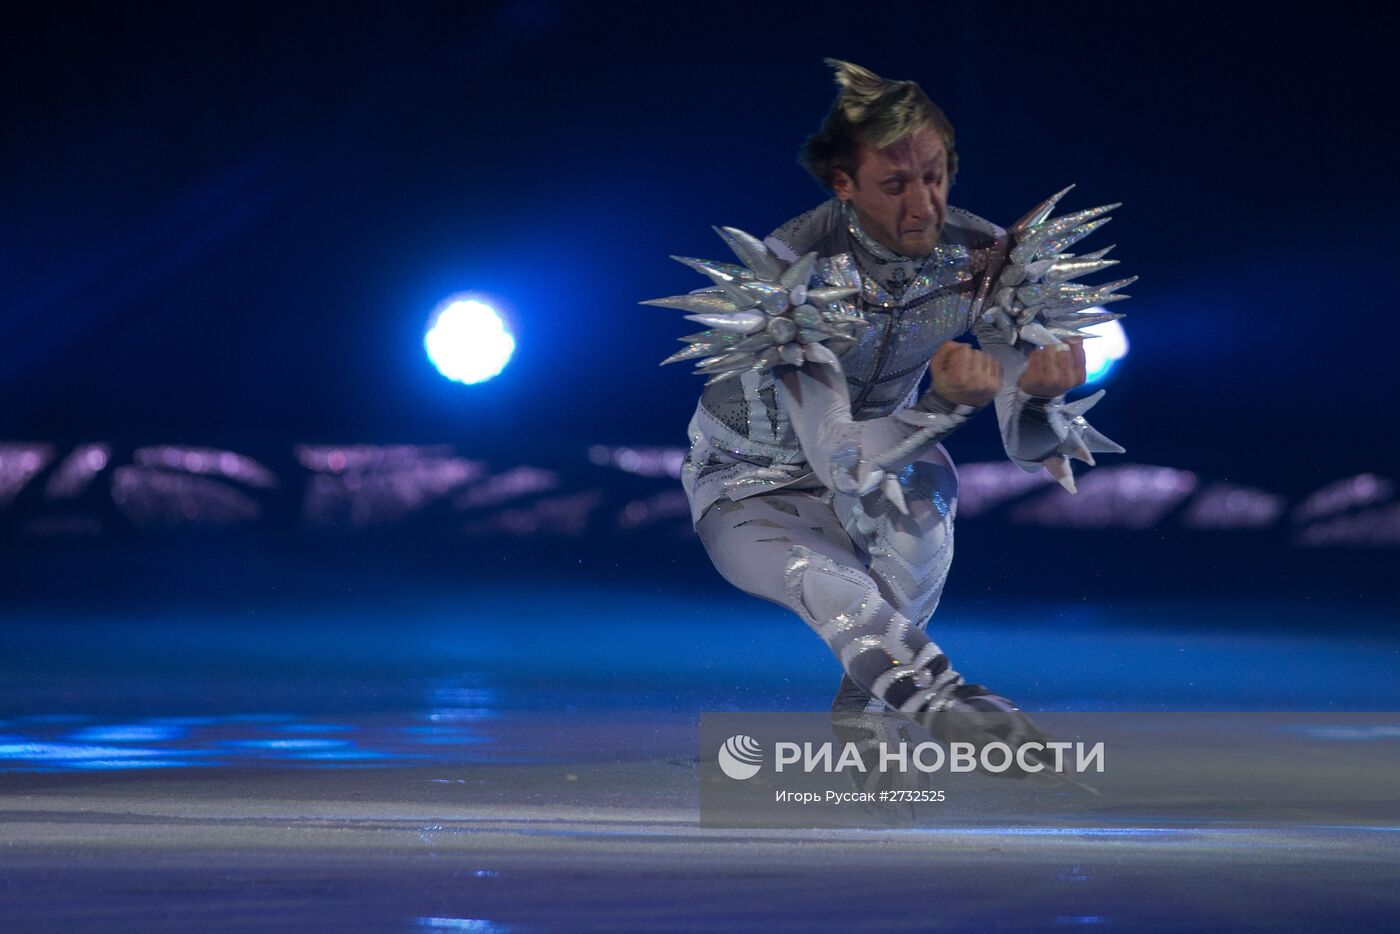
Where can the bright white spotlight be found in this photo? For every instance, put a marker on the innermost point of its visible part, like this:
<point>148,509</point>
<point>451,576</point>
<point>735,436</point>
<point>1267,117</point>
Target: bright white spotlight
<point>468,341</point>
<point>1102,352</point>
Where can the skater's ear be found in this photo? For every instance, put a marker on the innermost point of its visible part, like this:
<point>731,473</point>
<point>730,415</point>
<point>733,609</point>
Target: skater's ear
<point>842,184</point>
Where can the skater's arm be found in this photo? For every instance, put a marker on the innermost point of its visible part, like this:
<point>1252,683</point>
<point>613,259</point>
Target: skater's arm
<point>1026,399</point>
<point>855,456</point>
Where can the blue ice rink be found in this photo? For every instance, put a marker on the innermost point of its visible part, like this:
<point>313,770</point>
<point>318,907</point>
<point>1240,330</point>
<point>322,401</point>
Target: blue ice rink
<point>127,682</point>
<point>520,760</point>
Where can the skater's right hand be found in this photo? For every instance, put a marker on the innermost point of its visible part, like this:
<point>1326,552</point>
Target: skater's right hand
<point>964,375</point>
<point>1054,370</point>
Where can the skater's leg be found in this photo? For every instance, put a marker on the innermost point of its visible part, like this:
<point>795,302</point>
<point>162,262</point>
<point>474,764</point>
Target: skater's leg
<point>748,539</point>
<point>789,547</point>
<point>908,555</point>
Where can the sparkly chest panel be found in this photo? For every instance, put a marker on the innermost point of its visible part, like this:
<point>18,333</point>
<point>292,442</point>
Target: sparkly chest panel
<point>887,361</point>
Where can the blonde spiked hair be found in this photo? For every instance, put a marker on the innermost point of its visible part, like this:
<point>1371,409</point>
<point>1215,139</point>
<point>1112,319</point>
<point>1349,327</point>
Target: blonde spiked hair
<point>871,111</point>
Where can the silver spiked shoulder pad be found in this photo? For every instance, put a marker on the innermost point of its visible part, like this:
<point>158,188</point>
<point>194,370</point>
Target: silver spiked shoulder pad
<point>762,313</point>
<point>1035,299</point>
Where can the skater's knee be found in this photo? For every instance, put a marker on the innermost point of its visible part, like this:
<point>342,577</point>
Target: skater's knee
<point>823,591</point>
<point>931,490</point>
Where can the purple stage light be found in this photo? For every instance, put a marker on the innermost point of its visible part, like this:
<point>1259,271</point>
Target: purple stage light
<point>1229,506</point>
<point>1129,496</point>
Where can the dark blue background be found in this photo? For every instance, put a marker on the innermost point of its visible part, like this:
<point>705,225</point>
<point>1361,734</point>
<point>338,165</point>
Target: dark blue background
<point>227,226</point>
<point>232,221</point>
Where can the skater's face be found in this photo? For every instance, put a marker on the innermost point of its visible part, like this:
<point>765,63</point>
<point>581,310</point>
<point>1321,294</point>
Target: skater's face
<point>900,193</point>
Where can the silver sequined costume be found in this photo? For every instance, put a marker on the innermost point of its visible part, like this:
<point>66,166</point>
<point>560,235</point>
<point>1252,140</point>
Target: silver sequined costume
<point>815,474</point>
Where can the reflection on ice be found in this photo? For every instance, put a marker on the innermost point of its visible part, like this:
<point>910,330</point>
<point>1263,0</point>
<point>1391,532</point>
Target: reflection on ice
<point>288,743</point>
<point>127,733</point>
<point>461,924</point>
<point>31,751</point>
<point>49,742</point>
<point>106,765</point>
<point>457,720</point>
<point>346,755</point>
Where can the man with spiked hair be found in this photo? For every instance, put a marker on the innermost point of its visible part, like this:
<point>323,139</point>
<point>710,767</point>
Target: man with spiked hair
<point>815,475</point>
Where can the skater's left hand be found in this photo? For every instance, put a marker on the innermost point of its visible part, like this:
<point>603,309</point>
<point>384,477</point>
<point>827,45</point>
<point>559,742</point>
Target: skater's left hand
<point>1055,370</point>
<point>964,375</point>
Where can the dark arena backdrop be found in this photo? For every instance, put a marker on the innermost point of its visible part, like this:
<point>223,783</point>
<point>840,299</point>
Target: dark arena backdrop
<point>297,633</point>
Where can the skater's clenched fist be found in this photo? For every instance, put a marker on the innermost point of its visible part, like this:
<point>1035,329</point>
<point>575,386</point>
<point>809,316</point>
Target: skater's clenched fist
<point>964,375</point>
<point>1054,370</point>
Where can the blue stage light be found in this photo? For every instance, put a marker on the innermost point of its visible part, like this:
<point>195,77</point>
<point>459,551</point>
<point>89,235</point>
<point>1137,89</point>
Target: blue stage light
<point>1102,352</point>
<point>468,341</point>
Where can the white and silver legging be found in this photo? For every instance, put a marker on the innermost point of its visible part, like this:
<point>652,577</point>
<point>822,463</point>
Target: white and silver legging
<point>868,595</point>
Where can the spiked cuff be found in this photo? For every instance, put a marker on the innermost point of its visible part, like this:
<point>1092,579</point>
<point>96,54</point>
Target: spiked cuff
<point>1062,426</point>
<point>858,472</point>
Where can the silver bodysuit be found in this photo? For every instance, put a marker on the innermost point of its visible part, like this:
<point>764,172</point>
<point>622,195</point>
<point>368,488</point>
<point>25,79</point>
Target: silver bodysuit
<point>815,475</point>
<point>765,467</point>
